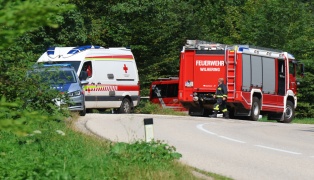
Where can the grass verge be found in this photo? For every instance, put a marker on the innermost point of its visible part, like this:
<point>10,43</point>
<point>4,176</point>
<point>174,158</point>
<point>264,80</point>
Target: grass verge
<point>56,151</point>
<point>294,121</point>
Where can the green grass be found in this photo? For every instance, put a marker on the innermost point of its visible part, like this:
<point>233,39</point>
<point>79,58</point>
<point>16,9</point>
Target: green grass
<point>146,107</point>
<point>294,121</point>
<point>303,120</point>
<point>56,151</point>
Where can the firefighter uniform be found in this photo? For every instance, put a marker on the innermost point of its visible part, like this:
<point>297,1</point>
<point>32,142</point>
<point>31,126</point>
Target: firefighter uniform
<point>221,92</point>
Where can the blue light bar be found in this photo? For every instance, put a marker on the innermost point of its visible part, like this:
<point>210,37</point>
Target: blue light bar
<point>82,48</point>
<point>51,51</point>
<point>242,48</point>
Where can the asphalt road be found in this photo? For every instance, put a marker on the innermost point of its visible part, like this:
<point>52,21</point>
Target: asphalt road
<point>239,149</point>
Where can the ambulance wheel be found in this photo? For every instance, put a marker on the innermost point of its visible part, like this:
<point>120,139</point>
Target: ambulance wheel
<point>289,114</point>
<point>255,109</point>
<point>126,106</point>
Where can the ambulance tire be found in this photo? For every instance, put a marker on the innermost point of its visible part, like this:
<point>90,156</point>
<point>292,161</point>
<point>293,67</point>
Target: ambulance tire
<point>126,106</point>
<point>255,109</point>
<point>289,114</point>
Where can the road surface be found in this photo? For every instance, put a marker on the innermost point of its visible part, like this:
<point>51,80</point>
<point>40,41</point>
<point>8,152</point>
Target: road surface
<point>239,149</point>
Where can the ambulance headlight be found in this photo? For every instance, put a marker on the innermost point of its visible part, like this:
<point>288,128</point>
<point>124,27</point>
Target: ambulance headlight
<point>75,93</point>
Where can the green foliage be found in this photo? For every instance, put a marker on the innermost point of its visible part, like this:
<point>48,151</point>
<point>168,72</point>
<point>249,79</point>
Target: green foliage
<point>155,30</point>
<point>15,119</point>
<point>142,153</point>
<point>19,17</point>
<point>146,107</point>
<point>26,100</point>
<point>305,103</point>
<point>57,152</point>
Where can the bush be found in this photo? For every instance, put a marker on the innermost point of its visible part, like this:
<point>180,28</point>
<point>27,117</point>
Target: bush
<point>143,153</point>
<point>146,107</point>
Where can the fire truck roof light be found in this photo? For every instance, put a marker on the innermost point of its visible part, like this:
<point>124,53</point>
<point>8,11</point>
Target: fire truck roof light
<point>204,45</point>
<point>242,48</point>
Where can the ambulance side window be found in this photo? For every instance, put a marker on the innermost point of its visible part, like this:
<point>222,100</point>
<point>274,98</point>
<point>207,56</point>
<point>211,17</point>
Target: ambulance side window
<point>88,68</point>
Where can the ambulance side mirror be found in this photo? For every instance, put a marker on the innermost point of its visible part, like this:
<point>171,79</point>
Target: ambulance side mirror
<point>83,82</point>
<point>83,75</point>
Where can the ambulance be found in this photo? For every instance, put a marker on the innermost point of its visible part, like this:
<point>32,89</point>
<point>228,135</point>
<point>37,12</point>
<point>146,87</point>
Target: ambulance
<point>112,75</point>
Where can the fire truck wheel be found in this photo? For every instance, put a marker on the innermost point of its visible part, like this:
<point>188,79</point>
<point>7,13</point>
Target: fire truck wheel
<point>255,109</point>
<point>274,116</point>
<point>289,114</point>
<point>231,114</point>
<point>125,106</point>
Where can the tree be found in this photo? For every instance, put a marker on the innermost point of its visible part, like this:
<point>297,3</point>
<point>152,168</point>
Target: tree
<point>16,19</point>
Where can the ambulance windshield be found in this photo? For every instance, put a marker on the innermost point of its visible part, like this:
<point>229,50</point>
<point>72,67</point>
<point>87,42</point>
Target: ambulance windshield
<point>54,76</point>
<point>75,64</point>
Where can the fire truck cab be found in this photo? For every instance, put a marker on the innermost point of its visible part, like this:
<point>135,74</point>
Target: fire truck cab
<point>259,80</point>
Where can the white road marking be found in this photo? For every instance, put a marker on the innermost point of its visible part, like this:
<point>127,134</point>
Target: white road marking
<point>275,149</point>
<point>200,126</point>
<point>230,139</point>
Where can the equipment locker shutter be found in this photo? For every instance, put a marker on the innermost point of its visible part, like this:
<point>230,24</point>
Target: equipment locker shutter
<point>269,76</point>
<point>246,72</point>
<point>256,64</point>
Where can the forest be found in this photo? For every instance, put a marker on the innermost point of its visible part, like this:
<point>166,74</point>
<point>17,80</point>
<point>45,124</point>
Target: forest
<point>155,30</point>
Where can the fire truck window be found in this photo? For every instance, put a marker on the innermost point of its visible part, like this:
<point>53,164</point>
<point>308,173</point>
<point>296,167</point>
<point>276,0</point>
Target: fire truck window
<point>292,69</point>
<point>172,90</point>
<point>165,90</point>
<point>160,91</point>
<point>281,68</point>
<point>88,68</point>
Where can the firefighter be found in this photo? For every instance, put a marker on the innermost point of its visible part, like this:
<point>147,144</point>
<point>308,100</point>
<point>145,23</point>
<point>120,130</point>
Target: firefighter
<point>221,96</point>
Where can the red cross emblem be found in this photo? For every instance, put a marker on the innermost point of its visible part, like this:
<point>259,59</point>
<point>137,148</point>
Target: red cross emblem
<point>125,68</point>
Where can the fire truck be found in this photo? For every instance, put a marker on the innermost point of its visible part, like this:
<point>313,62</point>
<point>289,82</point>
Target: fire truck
<point>164,91</point>
<point>259,80</point>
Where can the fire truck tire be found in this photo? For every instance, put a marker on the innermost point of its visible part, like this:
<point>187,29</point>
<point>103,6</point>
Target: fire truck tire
<point>231,114</point>
<point>274,116</point>
<point>255,109</point>
<point>289,114</point>
<point>126,106</point>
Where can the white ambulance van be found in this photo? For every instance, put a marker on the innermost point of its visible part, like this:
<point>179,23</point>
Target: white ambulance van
<point>112,75</point>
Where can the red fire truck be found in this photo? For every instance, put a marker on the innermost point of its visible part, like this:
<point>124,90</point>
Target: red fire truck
<point>258,80</point>
<point>164,91</point>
